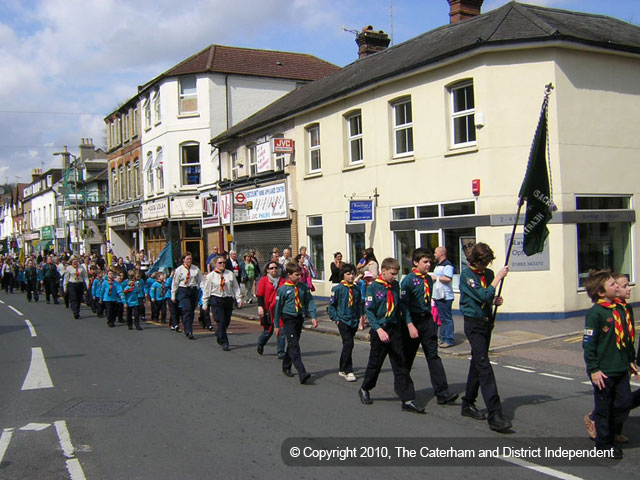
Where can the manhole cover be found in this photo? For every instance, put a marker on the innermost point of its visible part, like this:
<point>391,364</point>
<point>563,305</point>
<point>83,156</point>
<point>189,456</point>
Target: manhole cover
<point>94,408</point>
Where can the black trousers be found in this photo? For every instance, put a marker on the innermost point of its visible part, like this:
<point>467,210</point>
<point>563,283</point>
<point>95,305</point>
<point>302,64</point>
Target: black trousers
<point>394,348</point>
<point>221,309</point>
<point>204,317</point>
<point>111,310</point>
<point>174,321</point>
<point>51,289</point>
<point>612,405</point>
<point>75,291</point>
<point>428,338</point>
<point>142,309</point>
<point>99,307</point>
<point>292,327</point>
<point>32,290</point>
<point>133,315</point>
<point>8,282</point>
<point>346,333</point>
<point>478,332</point>
<point>159,310</point>
<point>187,299</point>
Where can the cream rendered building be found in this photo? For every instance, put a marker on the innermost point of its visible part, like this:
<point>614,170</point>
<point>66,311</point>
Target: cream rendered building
<point>414,127</point>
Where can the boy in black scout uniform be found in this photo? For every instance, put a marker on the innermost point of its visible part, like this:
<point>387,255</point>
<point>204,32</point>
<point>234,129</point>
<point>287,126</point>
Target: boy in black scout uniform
<point>293,301</point>
<point>415,293</point>
<point>609,355</point>
<point>384,311</point>
<point>345,308</point>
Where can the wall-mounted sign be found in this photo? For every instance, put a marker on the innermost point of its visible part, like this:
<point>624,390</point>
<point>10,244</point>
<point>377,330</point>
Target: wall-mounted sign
<point>186,207</point>
<point>155,210</point>
<point>46,233</point>
<point>519,262</point>
<point>210,217</point>
<point>263,157</point>
<point>267,203</point>
<point>117,220</point>
<point>361,211</point>
<point>283,145</point>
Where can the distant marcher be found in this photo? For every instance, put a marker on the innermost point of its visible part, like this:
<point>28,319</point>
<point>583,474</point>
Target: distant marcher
<point>219,291</point>
<point>184,291</point>
<point>75,283</point>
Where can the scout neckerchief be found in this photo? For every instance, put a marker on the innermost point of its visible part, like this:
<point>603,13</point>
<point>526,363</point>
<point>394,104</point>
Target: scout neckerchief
<point>618,322</point>
<point>390,301</point>
<point>222,281</point>
<point>427,290</point>
<point>186,280</point>
<point>163,287</point>
<point>77,273</point>
<point>295,290</point>
<point>110,282</point>
<point>627,317</point>
<point>350,287</point>
<point>480,274</point>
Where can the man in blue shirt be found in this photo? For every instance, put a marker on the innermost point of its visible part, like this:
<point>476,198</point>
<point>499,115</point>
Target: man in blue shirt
<point>443,295</point>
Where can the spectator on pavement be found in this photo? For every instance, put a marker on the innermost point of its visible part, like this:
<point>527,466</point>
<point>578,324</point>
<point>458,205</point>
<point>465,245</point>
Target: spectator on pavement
<point>443,295</point>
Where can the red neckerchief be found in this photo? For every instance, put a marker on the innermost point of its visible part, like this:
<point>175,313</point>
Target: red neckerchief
<point>618,322</point>
<point>427,290</point>
<point>186,280</point>
<point>77,273</point>
<point>350,287</point>
<point>222,281</point>
<point>295,290</point>
<point>110,282</point>
<point>483,280</point>
<point>627,317</point>
<point>390,300</point>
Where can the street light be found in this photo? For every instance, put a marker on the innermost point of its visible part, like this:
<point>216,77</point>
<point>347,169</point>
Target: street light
<point>77,163</point>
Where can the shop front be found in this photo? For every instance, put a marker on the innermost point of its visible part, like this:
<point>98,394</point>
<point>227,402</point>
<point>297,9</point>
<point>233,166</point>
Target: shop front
<point>154,215</point>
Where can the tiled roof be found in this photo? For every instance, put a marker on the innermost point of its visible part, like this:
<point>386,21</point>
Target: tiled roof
<point>513,23</point>
<point>247,61</point>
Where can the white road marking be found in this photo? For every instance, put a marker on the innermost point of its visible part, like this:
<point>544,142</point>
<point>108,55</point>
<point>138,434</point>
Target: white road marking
<point>64,437</point>
<point>586,383</point>
<point>15,310</point>
<point>5,438</point>
<point>555,376</point>
<point>32,330</point>
<point>519,369</point>
<point>35,427</point>
<point>1,302</point>
<point>493,363</point>
<point>38,374</point>
<point>544,470</point>
<point>75,469</point>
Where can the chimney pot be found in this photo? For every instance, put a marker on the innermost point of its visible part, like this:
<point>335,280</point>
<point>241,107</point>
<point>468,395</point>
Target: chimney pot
<point>371,42</point>
<point>460,10</point>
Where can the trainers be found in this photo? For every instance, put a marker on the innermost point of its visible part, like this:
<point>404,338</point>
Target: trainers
<point>351,377</point>
<point>342,374</point>
<point>590,426</point>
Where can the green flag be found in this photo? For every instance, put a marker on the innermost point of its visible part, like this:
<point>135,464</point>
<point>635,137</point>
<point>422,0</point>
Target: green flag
<point>536,190</point>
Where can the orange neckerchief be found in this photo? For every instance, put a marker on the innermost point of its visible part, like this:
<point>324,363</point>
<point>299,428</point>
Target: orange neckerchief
<point>427,290</point>
<point>163,289</point>
<point>618,322</point>
<point>221,279</point>
<point>110,282</point>
<point>186,280</point>
<point>390,301</point>
<point>295,290</point>
<point>77,273</point>
<point>483,280</point>
<point>627,317</point>
<point>350,287</point>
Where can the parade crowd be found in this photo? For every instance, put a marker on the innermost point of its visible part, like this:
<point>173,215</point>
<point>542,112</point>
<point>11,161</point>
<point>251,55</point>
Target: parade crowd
<point>403,316</point>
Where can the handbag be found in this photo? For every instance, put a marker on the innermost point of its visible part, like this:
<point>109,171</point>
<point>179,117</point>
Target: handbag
<point>438,290</point>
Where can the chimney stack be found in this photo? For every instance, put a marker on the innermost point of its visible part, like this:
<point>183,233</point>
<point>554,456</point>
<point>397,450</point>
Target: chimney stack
<point>36,173</point>
<point>463,9</point>
<point>371,42</point>
<point>87,149</point>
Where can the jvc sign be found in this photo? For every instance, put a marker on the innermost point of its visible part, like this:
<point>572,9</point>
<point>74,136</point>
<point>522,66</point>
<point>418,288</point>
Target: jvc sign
<point>283,145</point>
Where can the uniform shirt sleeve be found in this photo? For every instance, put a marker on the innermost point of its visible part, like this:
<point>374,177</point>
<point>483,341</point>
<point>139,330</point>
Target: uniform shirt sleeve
<point>371,308</point>
<point>333,302</point>
<point>590,340</point>
<point>471,287</point>
<point>406,297</point>
<point>310,303</point>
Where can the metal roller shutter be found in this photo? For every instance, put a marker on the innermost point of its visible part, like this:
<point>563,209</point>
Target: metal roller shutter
<point>262,237</point>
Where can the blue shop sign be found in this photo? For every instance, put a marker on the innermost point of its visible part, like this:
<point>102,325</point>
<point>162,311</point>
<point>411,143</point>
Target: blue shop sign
<point>361,211</point>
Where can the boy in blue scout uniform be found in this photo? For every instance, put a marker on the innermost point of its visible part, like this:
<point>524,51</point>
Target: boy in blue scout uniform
<point>293,301</point>
<point>96,289</point>
<point>121,282</point>
<point>477,295</point>
<point>415,293</point>
<point>131,291</point>
<point>345,308</point>
<point>609,355</point>
<point>142,296</point>
<point>110,296</point>
<point>385,313</point>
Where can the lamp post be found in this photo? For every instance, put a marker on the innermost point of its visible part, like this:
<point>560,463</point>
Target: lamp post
<point>76,164</point>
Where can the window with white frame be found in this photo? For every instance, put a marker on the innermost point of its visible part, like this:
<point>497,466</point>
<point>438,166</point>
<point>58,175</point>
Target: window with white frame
<point>125,126</point>
<point>128,181</point>
<point>354,137</point>
<point>234,165</point>
<point>313,142</point>
<point>190,163</point>
<point>122,183</point>
<point>158,165</point>
<point>134,123</point>
<point>279,158</point>
<point>147,113</point>
<point>253,160</point>
<point>156,108</point>
<point>188,96</point>
<point>402,127</point>
<point>463,125</point>
<point>316,244</point>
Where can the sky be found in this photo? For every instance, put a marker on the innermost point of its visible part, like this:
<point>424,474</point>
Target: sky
<point>66,64</point>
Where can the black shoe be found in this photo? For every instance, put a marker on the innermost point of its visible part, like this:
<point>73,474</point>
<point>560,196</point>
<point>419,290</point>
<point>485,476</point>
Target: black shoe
<point>616,452</point>
<point>130,327</point>
<point>210,328</point>
<point>470,410</point>
<point>448,398</point>
<point>260,349</point>
<point>190,336</point>
<point>280,356</point>
<point>304,378</point>
<point>225,347</point>
<point>76,317</point>
<point>219,340</point>
<point>365,397</point>
<point>411,407</point>
<point>110,325</point>
<point>177,329</point>
<point>499,423</point>
<point>288,373</point>
<point>58,303</point>
<point>138,327</point>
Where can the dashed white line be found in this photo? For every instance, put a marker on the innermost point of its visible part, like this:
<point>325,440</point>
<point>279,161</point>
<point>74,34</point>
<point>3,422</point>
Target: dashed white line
<point>540,469</point>
<point>519,369</point>
<point>5,438</point>
<point>555,376</point>
<point>35,427</point>
<point>75,469</point>
<point>32,330</point>
<point>64,437</point>
<point>16,310</point>
<point>38,374</point>
<point>1,302</point>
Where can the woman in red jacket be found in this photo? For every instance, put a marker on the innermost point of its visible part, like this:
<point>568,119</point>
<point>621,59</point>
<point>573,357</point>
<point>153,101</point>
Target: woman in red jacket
<point>267,287</point>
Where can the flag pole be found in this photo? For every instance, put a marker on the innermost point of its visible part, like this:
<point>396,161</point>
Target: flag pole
<point>547,91</point>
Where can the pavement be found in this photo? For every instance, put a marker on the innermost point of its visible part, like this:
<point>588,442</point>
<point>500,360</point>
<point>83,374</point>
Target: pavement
<point>506,334</point>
